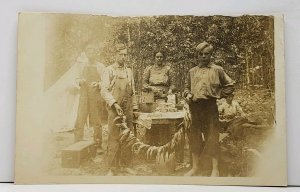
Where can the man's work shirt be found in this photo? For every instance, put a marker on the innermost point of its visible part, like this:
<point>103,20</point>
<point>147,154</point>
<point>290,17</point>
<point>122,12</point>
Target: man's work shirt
<point>112,74</point>
<point>90,72</point>
<point>230,111</point>
<point>207,82</point>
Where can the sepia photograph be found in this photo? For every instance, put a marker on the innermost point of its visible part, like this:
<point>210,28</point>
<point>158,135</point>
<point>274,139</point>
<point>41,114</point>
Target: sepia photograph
<point>169,99</point>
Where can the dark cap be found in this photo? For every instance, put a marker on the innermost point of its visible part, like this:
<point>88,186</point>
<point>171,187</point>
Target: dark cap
<point>204,45</point>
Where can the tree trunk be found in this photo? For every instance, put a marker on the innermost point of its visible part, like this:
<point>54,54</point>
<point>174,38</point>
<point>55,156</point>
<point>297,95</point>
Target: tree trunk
<point>247,69</point>
<point>261,78</point>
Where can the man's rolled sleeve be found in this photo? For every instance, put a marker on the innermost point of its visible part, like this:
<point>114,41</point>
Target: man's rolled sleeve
<point>105,88</point>
<point>227,84</point>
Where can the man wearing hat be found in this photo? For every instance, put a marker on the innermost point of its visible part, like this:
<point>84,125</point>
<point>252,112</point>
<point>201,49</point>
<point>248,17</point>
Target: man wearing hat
<point>205,83</point>
<point>117,90</point>
<point>232,117</point>
<point>230,109</point>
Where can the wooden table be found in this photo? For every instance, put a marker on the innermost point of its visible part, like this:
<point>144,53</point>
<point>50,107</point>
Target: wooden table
<point>162,118</point>
<point>165,120</point>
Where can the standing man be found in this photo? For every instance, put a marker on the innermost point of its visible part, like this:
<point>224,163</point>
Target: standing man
<point>205,83</point>
<point>90,102</point>
<point>118,91</point>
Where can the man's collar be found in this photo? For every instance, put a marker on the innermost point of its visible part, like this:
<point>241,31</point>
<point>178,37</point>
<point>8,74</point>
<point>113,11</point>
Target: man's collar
<point>159,66</point>
<point>119,66</point>
<point>203,66</point>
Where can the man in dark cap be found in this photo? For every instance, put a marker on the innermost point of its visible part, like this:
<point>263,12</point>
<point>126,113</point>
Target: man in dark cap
<point>205,83</point>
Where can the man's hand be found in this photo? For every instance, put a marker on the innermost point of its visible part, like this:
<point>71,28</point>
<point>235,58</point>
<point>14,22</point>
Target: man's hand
<point>94,84</point>
<point>231,116</point>
<point>81,82</point>
<point>147,88</point>
<point>189,96</point>
<point>118,109</point>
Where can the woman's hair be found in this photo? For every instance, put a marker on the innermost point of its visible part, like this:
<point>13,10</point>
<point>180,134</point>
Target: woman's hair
<point>160,51</point>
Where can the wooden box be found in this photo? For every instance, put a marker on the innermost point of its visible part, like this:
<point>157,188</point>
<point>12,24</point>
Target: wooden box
<point>73,155</point>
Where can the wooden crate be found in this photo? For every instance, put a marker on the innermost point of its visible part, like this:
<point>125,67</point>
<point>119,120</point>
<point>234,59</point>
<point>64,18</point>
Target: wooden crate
<point>74,155</point>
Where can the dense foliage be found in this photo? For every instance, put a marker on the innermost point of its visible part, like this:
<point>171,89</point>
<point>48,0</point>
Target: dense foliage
<point>244,44</point>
